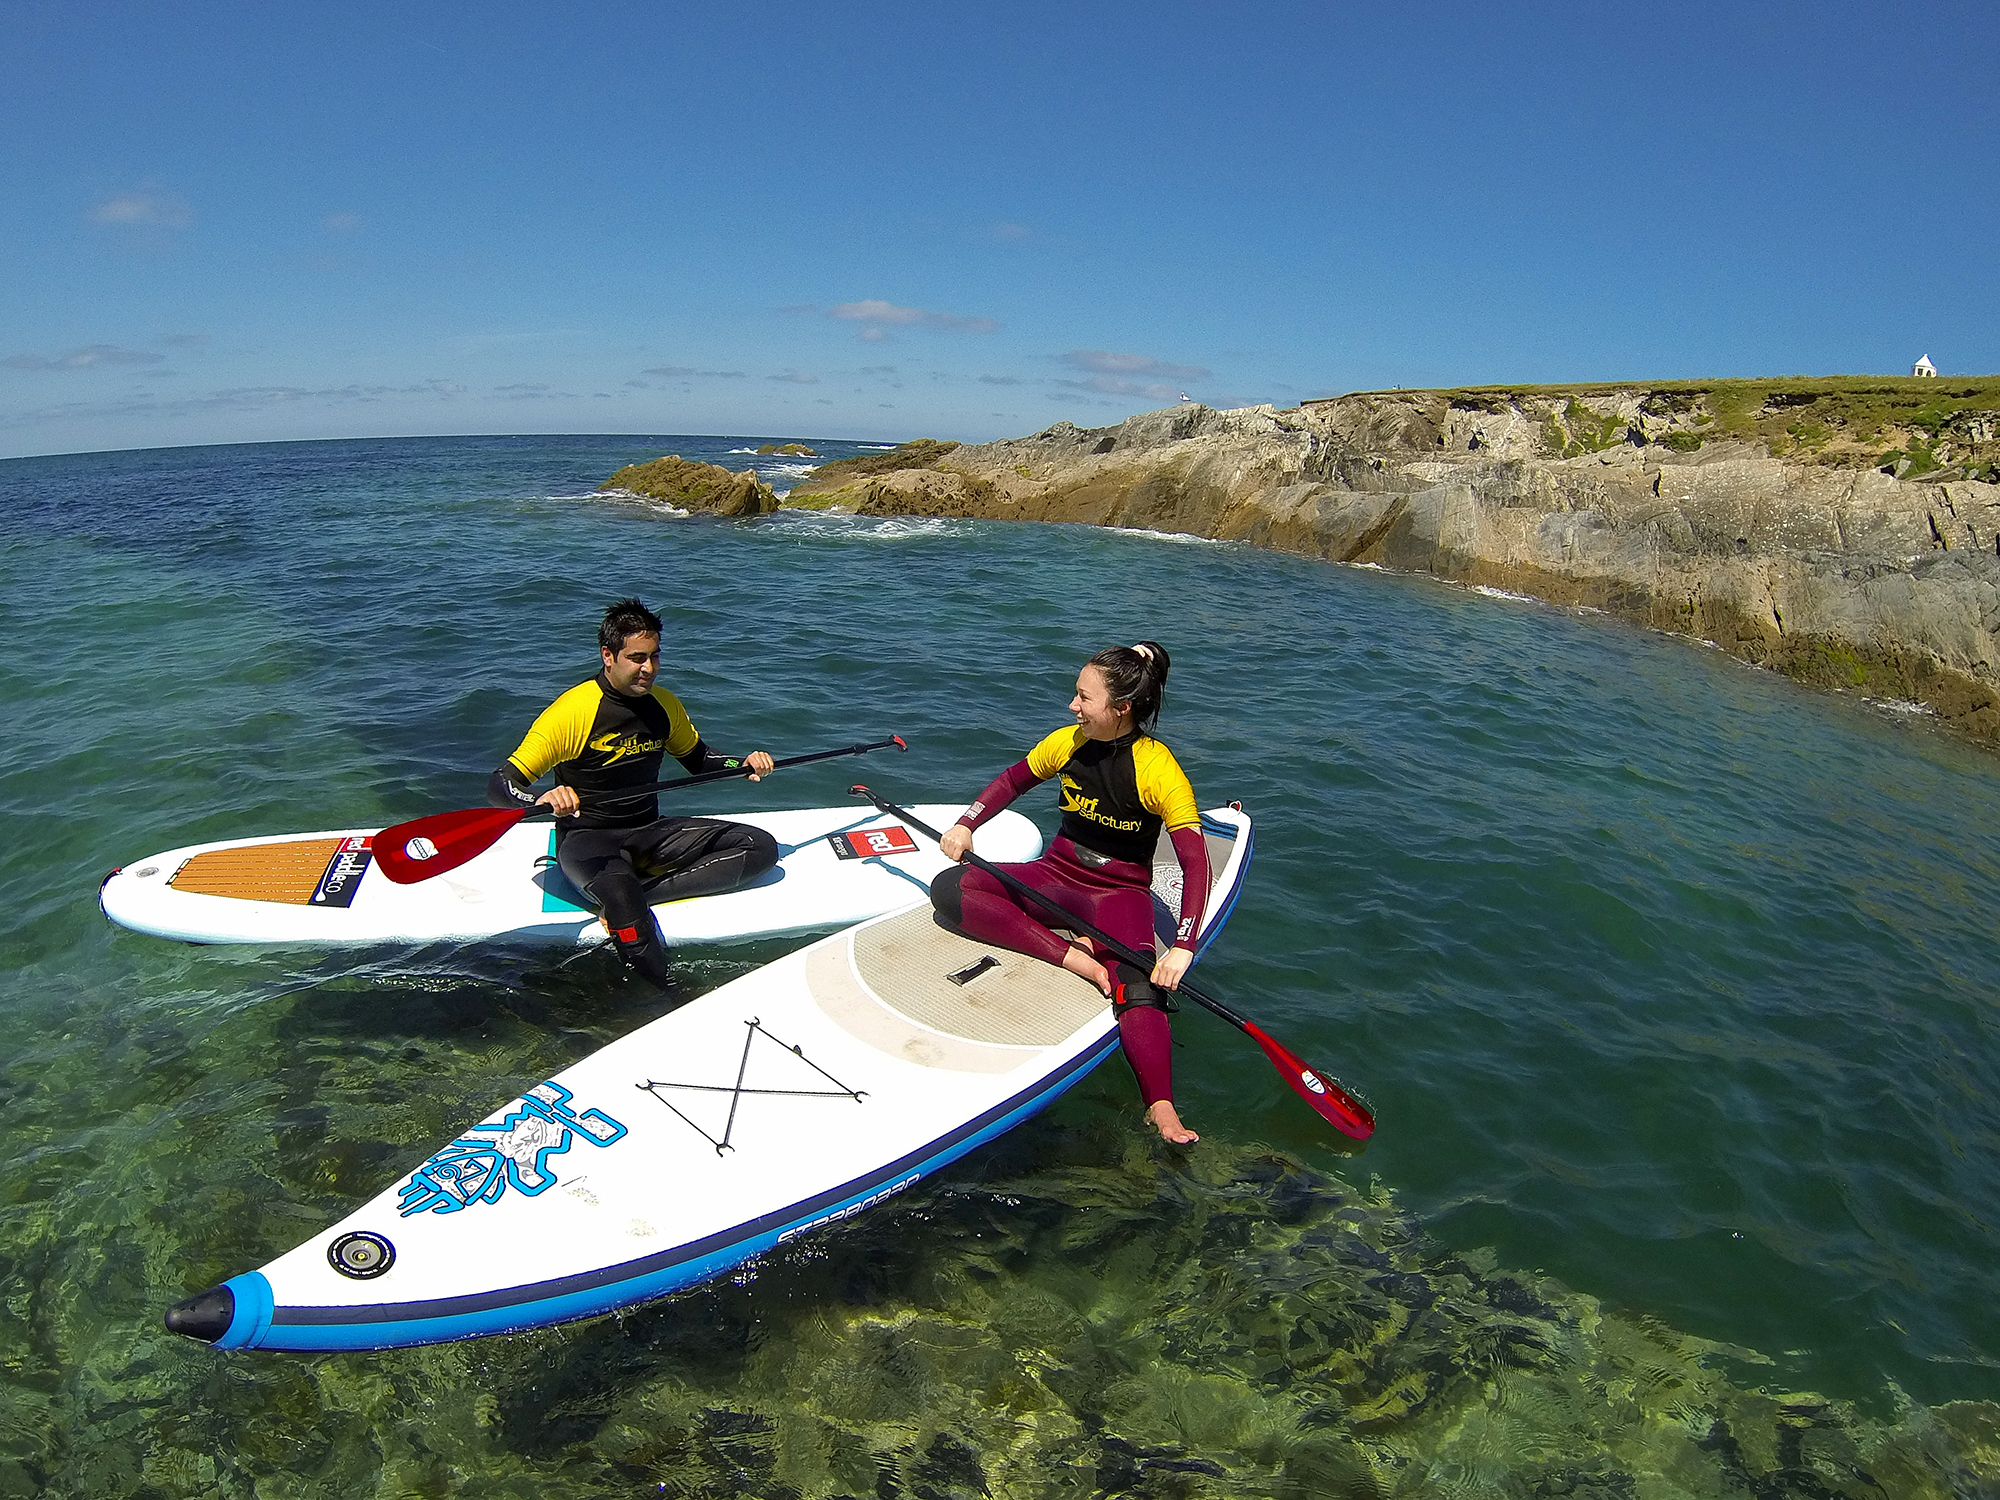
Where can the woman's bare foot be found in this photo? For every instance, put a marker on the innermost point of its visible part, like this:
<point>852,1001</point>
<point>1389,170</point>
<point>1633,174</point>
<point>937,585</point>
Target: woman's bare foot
<point>1077,960</point>
<point>1163,1117</point>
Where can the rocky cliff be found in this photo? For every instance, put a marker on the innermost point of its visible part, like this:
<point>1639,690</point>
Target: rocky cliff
<point>1845,533</point>
<point>688,485</point>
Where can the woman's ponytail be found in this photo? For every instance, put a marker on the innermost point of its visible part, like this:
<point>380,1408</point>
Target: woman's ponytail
<point>1136,675</point>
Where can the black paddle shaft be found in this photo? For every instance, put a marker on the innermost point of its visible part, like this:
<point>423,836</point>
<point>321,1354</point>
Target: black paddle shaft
<point>1327,1097</point>
<point>1069,918</point>
<point>895,740</point>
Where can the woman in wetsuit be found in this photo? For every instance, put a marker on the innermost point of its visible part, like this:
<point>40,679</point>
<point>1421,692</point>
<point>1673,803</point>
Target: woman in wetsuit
<point>1120,787</point>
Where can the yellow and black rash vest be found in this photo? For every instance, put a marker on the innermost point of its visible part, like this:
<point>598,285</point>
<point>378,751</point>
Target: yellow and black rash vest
<point>602,742</point>
<point>1116,794</point>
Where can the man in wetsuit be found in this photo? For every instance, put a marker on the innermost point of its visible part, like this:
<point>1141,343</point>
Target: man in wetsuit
<point>601,739</point>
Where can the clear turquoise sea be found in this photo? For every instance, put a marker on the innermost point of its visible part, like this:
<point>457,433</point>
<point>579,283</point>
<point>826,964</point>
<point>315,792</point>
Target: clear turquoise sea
<point>1672,984</point>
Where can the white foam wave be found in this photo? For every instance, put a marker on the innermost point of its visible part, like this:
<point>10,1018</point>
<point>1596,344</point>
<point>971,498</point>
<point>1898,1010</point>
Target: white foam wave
<point>829,523</point>
<point>1901,706</point>
<point>627,497</point>
<point>1492,593</point>
<point>1187,538</point>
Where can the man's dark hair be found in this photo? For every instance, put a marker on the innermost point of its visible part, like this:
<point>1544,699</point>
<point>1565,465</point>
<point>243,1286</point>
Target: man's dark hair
<point>628,617</point>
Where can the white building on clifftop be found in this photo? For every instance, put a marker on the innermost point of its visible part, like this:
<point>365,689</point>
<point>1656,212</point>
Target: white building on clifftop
<point>1924,367</point>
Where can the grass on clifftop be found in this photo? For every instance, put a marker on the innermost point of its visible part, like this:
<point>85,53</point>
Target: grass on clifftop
<point>1915,426</point>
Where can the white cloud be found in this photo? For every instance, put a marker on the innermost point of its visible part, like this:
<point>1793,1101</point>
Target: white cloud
<point>1105,385</point>
<point>874,310</point>
<point>685,372</point>
<point>342,223</point>
<point>144,207</point>
<point>239,398</point>
<point>83,359</point>
<point>795,377</point>
<point>185,341</point>
<point>1007,230</point>
<point>1104,362</point>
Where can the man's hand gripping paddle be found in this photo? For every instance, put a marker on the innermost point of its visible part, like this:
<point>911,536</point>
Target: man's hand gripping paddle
<point>424,847</point>
<point>1333,1103</point>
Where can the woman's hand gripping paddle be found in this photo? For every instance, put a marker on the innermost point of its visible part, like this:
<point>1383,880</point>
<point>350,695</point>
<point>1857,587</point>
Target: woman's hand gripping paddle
<point>1329,1100</point>
<point>423,847</point>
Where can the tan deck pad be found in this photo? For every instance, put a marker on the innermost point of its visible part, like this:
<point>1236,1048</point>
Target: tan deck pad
<point>288,873</point>
<point>1015,1001</point>
<point>1007,1000</point>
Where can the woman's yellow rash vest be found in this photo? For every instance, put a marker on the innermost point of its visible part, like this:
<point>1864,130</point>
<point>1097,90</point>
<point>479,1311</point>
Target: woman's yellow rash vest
<point>1116,794</point>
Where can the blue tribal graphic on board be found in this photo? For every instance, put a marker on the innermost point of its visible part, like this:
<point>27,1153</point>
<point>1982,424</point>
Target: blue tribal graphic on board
<point>512,1151</point>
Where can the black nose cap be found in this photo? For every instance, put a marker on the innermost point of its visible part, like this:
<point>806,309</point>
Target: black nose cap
<point>206,1317</point>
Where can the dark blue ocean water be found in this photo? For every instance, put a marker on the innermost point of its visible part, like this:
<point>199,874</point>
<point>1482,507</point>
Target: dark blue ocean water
<point>1671,983</point>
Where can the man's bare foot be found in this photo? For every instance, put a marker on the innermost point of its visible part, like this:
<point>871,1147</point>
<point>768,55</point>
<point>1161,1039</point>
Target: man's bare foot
<point>1078,961</point>
<point>1164,1118</point>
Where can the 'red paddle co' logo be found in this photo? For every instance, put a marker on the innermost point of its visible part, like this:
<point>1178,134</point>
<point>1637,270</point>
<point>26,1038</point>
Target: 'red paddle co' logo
<point>420,848</point>
<point>342,876</point>
<point>1311,1081</point>
<point>871,843</point>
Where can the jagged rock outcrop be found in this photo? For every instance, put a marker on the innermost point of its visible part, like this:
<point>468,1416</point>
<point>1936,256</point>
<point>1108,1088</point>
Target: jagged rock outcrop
<point>688,485</point>
<point>1834,573</point>
<point>845,473</point>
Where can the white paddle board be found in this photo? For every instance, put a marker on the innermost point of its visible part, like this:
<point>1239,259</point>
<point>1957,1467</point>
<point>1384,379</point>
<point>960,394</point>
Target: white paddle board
<point>783,1101</point>
<point>836,867</point>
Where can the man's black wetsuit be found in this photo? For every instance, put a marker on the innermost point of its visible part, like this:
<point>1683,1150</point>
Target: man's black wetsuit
<point>618,849</point>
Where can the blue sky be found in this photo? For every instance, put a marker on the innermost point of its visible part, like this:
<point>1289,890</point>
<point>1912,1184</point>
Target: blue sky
<point>237,222</point>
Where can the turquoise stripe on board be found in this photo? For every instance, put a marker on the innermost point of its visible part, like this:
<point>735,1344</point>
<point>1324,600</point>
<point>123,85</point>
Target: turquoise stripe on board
<point>554,883</point>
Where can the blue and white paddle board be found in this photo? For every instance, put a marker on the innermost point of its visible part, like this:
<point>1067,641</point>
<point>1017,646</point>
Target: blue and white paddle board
<point>836,867</point>
<point>784,1101</point>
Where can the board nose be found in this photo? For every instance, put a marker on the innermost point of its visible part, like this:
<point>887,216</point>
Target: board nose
<point>205,1316</point>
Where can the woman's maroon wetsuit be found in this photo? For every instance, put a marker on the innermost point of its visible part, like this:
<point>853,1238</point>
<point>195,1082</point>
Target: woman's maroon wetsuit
<point>1117,795</point>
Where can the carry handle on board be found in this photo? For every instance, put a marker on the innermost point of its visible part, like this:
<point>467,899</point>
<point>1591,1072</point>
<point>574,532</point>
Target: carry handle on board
<point>424,847</point>
<point>1318,1088</point>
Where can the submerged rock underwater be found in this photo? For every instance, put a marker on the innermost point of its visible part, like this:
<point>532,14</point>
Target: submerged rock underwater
<point>1092,1314</point>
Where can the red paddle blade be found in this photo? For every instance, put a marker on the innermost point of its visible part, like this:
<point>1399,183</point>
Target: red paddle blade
<point>1339,1108</point>
<point>417,850</point>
